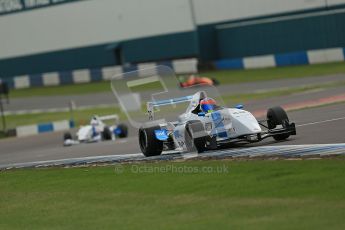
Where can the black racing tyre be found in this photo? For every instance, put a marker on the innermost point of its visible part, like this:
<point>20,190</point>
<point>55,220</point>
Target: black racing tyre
<point>195,137</point>
<point>170,144</point>
<point>124,130</point>
<point>148,143</point>
<point>215,82</point>
<point>67,136</point>
<point>277,116</point>
<point>106,134</point>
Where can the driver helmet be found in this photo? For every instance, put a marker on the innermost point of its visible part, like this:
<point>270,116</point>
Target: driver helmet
<point>208,105</point>
<point>94,121</point>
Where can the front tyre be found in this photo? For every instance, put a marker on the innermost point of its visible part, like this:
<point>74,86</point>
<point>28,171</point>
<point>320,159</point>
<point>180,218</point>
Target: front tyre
<point>195,137</point>
<point>106,134</point>
<point>67,136</point>
<point>277,116</point>
<point>148,142</point>
<point>215,82</point>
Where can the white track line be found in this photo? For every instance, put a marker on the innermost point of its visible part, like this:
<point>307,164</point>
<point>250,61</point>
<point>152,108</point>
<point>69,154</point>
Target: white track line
<point>321,122</point>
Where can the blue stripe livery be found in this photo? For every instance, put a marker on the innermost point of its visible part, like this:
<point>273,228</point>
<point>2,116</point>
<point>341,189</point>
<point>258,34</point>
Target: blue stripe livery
<point>161,134</point>
<point>219,125</point>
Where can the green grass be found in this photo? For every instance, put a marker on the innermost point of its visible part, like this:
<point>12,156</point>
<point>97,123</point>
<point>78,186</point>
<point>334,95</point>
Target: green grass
<point>148,87</point>
<point>80,116</point>
<point>225,77</point>
<point>307,194</point>
<point>243,98</point>
<point>94,87</point>
<point>240,76</point>
<point>2,134</point>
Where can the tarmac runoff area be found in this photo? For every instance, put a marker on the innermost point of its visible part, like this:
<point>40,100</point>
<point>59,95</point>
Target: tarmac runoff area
<point>320,133</point>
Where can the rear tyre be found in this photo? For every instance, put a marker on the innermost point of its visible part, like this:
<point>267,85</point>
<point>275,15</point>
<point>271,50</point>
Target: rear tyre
<point>195,137</point>
<point>124,130</point>
<point>106,134</point>
<point>67,136</point>
<point>215,81</point>
<point>149,145</point>
<point>277,116</point>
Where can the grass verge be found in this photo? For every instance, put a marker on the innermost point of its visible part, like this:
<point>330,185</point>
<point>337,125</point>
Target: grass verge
<point>240,76</point>
<point>243,98</point>
<point>80,116</point>
<point>225,77</point>
<point>308,194</point>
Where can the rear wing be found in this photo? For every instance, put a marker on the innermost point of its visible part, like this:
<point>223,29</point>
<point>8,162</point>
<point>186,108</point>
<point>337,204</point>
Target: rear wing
<point>152,104</point>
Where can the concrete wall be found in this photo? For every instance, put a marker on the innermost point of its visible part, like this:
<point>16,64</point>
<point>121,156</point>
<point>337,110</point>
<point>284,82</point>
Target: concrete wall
<point>263,38</point>
<point>227,10</point>
<point>96,33</point>
<point>335,2</point>
<point>309,31</point>
<point>87,23</point>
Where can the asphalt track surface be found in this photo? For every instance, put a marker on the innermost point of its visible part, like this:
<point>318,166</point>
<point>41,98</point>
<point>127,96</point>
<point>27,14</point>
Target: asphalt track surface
<point>322,125</point>
<point>107,98</point>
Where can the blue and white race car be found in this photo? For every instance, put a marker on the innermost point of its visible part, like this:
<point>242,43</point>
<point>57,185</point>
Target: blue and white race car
<point>206,125</point>
<point>97,131</point>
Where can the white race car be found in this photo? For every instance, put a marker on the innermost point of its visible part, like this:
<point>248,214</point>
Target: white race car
<point>205,126</point>
<point>97,131</point>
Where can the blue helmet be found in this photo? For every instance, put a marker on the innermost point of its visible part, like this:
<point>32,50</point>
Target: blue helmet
<point>207,104</point>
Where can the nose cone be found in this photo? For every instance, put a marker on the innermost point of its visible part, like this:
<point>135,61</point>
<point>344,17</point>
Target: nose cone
<point>251,126</point>
<point>244,122</point>
<point>84,133</point>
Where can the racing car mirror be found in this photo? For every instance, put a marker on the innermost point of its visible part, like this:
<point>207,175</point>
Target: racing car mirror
<point>152,96</point>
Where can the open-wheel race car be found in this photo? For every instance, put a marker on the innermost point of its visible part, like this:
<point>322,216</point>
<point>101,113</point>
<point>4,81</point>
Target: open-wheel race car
<point>208,126</point>
<point>97,131</point>
<point>194,80</point>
